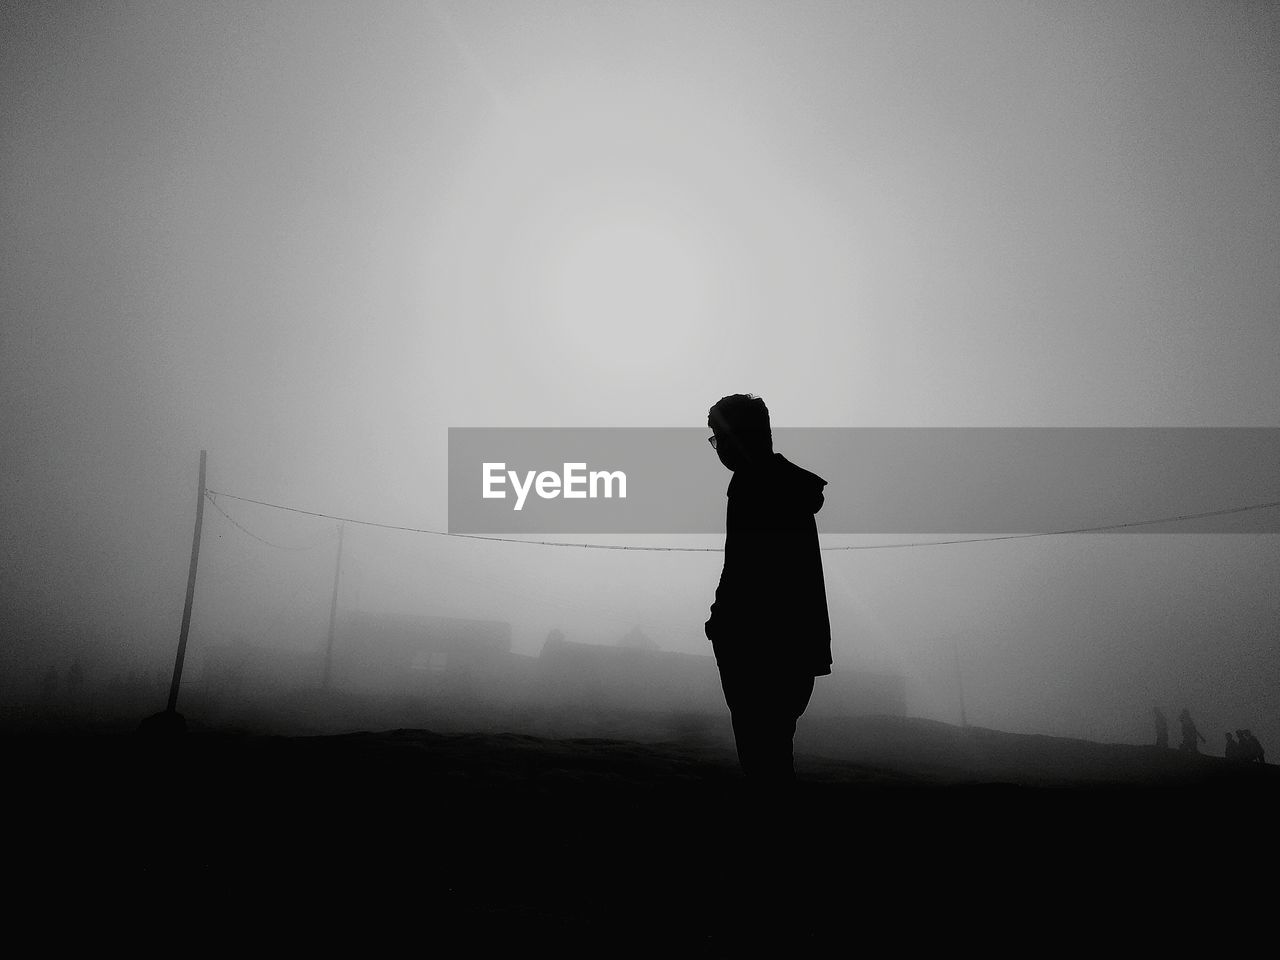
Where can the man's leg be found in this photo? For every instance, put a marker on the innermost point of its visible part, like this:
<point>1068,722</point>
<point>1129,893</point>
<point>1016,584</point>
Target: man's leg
<point>793,698</point>
<point>739,687</point>
<point>764,708</point>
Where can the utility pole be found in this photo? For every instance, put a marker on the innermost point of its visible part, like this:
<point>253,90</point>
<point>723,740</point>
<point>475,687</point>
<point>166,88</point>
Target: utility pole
<point>176,683</point>
<point>333,610</point>
<point>955,647</point>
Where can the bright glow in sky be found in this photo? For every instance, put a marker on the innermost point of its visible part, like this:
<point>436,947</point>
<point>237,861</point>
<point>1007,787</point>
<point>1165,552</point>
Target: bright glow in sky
<point>606,216</point>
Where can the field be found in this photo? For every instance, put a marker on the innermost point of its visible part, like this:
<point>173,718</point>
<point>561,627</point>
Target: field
<point>903,827</point>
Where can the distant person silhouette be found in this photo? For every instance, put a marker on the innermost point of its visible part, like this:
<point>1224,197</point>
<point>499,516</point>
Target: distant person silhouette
<point>1191,737</point>
<point>1232,749</point>
<point>1162,728</point>
<point>769,626</point>
<point>1242,745</point>
<point>1250,749</point>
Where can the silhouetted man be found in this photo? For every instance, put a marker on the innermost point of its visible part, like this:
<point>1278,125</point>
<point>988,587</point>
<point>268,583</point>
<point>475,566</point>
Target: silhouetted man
<point>1162,728</point>
<point>769,626</point>
<point>1232,750</point>
<point>1191,737</point>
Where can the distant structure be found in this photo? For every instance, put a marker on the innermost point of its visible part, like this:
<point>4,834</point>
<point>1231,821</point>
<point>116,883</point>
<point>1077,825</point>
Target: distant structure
<point>239,667</point>
<point>381,653</point>
<point>460,660</point>
<point>633,678</point>
<point>637,639</point>
<point>625,677</point>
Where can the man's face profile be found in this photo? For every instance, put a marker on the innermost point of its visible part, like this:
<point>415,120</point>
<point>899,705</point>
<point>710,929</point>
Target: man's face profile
<point>726,446</point>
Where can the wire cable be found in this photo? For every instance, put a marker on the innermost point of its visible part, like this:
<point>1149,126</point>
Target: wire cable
<point>208,494</point>
<point>618,546</point>
<point>1058,533</point>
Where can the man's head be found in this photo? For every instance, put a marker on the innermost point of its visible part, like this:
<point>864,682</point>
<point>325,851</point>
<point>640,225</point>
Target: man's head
<point>740,424</point>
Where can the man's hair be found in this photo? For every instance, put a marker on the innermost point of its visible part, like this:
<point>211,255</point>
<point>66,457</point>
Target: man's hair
<point>745,417</point>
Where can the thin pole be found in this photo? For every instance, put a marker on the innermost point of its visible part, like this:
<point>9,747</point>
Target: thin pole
<point>191,594</point>
<point>955,647</point>
<point>333,609</point>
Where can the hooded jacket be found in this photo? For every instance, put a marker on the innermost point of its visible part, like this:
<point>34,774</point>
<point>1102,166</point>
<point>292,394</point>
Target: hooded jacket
<point>770,608</point>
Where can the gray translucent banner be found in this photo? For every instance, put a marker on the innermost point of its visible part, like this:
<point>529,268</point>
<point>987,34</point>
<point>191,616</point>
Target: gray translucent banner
<point>880,480</point>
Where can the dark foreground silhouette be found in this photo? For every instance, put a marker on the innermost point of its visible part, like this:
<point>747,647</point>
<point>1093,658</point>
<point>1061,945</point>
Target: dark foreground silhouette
<point>769,626</point>
<point>605,841</point>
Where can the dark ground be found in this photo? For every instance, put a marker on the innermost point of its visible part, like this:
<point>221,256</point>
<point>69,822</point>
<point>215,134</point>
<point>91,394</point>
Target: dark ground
<point>918,831</point>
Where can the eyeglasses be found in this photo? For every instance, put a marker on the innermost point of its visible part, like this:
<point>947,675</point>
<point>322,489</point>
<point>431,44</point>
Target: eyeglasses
<point>712,441</point>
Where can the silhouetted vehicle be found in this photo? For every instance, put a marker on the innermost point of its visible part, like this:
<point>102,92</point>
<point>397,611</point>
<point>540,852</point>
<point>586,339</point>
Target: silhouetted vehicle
<point>1191,737</point>
<point>1162,728</point>
<point>769,626</point>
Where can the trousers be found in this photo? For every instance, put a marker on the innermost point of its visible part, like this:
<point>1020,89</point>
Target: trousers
<point>764,704</point>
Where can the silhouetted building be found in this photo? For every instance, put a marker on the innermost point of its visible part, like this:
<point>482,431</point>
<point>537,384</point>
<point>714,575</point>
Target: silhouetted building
<point>241,667</point>
<point>627,678</point>
<point>657,680</point>
<point>637,639</point>
<point>383,653</point>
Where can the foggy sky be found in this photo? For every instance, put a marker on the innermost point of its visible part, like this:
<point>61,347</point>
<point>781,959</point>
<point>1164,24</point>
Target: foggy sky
<point>310,237</point>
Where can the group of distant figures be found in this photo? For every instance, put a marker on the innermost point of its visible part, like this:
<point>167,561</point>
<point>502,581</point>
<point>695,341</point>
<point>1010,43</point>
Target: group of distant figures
<point>1244,746</point>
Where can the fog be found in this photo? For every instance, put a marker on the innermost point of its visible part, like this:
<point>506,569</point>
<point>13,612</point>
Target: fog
<point>309,238</point>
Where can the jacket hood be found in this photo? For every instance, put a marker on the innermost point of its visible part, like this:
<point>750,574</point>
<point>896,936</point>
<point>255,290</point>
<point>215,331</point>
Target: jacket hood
<point>806,486</point>
<point>788,480</point>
